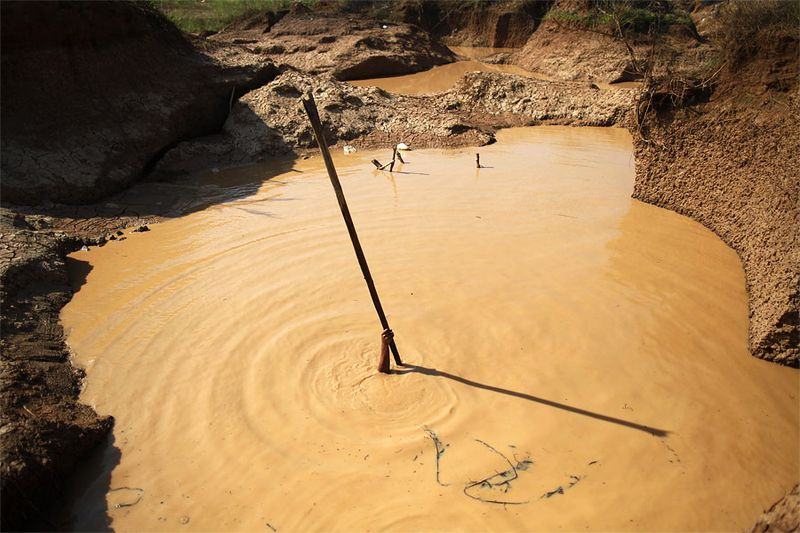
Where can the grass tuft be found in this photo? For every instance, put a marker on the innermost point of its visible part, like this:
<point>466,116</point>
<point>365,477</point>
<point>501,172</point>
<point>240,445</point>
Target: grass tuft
<point>746,25</point>
<point>632,19</point>
<point>197,16</point>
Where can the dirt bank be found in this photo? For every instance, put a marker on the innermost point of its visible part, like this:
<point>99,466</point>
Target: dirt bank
<point>501,24</point>
<point>346,46</point>
<point>571,44</point>
<point>728,164</point>
<point>270,120</point>
<point>45,430</point>
<point>120,86</point>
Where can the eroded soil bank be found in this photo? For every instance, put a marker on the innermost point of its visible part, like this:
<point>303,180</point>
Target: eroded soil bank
<point>728,162</point>
<point>597,343</point>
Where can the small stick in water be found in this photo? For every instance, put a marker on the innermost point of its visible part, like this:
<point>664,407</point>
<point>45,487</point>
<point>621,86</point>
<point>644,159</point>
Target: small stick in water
<point>477,160</point>
<point>394,157</point>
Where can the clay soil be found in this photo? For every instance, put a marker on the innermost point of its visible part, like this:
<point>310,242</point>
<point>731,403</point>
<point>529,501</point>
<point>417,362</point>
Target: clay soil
<point>725,163</point>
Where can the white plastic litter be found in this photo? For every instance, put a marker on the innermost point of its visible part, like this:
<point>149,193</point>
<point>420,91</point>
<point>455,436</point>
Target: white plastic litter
<point>403,146</point>
<point>349,149</point>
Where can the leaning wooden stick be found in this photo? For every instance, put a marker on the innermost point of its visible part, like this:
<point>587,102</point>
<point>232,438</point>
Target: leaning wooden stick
<point>313,115</point>
<point>394,158</point>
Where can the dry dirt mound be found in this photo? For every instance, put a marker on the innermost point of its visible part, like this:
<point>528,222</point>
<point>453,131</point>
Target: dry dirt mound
<point>565,48</point>
<point>93,93</point>
<point>573,55</point>
<point>567,51</point>
<point>347,47</point>
<point>502,100</point>
<point>271,120</point>
<point>729,164</point>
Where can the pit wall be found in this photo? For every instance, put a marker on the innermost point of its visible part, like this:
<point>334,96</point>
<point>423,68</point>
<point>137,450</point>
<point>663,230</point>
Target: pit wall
<point>499,24</point>
<point>729,164</point>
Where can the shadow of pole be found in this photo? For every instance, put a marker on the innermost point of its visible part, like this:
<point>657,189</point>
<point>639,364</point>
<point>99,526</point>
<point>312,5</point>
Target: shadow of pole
<point>409,368</point>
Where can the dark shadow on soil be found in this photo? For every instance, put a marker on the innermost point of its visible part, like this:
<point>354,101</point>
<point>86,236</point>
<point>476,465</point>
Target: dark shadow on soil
<point>175,193</point>
<point>409,368</point>
<point>77,271</point>
<point>86,507</point>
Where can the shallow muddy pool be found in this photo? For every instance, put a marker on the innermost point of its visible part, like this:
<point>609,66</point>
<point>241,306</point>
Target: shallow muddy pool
<point>444,77</point>
<point>577,359</point>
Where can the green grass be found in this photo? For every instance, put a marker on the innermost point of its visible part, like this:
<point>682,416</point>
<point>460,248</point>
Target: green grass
<point>631,19</point>
<point>212,15</point>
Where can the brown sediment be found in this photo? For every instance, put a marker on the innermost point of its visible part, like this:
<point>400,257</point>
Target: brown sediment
<point>783,516</point>
<point>489,24</point>
<point>564,343</point>
<point>346,47</point>
<point>727,163</point>
<point>438,79</point>
<point>109,103</point>
<point>270,120</point>
<point>45,430</point>
<point>571,51</point>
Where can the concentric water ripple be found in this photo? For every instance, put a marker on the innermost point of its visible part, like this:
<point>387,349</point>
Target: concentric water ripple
<point>542,313</point>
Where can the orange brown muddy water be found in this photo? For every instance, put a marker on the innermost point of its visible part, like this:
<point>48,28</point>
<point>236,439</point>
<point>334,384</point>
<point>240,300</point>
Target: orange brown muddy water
<point>444,77</point>
<point>582,352</point>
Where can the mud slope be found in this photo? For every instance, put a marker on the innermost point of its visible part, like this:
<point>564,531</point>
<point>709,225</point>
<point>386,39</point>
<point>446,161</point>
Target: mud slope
<point>571,53</point>
<point>731,164</point>
<point>45,430</point>
<point>93,93</point>
<point>270,120</point>
<point>564,48</point>
<point>348,47</point>
<point>498,24</point>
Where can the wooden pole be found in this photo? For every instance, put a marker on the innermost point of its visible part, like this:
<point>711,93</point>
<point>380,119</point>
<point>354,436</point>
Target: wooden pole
<point>313,115</point>
<point>477,160</point>
<point>394,158</point>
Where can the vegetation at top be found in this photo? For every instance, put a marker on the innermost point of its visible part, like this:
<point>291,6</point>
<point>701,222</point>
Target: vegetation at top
<point>212,15</point>
<point>745,26</point>
<point>636,17</point>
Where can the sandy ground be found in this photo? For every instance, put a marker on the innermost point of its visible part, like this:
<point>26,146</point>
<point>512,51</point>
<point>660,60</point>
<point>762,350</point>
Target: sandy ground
<point>574,354</point>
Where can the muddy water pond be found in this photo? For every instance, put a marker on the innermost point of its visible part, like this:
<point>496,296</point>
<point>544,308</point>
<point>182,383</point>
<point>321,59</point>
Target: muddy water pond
<point>444,77</point>
<point>438,79</point>
<point>577,359</point>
